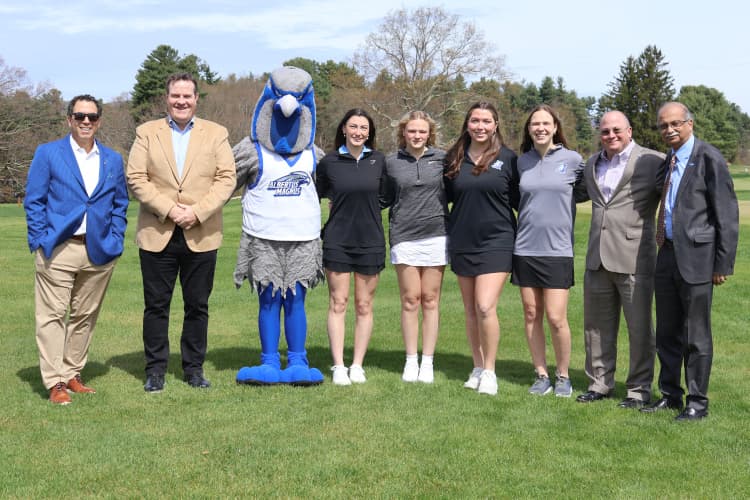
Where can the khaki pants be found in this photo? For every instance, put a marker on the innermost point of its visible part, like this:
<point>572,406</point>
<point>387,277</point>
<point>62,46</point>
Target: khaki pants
<point>68,294</point>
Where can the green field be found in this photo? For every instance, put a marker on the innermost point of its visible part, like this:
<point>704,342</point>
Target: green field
<point>382,439</point>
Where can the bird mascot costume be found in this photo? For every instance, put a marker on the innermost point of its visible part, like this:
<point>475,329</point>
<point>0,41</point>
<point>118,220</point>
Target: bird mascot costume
<point>280,252</point>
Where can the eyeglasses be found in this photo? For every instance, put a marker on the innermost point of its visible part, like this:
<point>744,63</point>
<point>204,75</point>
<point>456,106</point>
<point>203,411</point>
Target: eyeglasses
<point>79,117</point>
<point>606,131</point>
<point>676,125</point>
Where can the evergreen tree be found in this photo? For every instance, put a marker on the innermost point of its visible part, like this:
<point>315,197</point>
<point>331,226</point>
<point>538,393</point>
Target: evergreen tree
<point>716,120</point>
<point>148,92</point>
<point>642,86</point>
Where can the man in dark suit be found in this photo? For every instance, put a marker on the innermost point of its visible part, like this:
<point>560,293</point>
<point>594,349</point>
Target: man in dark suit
<point>76,205</point>
<point>624,184</point>
<point>697,232</point>
<point>181,169</point>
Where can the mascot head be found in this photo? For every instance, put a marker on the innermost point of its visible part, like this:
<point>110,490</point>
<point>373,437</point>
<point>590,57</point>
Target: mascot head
<point>284,119</point>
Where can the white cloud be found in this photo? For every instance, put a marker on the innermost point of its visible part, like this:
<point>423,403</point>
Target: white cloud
<point>310,23</point>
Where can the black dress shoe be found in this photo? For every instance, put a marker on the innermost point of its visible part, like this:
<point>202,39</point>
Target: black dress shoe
<point>663,404</point>
<point>631,403</point>
<point>591,396</point>
<point>691,414</point>
<point>154,383</point>
<point>196,380</point>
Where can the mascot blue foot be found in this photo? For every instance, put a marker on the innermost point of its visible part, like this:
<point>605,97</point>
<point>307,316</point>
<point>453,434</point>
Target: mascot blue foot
<point>269,373</point>
<point>259,375</point>
<point>298,371</point>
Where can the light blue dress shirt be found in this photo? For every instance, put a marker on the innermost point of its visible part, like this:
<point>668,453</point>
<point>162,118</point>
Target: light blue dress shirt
<point>682,156</point>
<point>180,141</point>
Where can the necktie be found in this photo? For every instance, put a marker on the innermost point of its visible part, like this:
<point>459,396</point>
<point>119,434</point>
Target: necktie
<point>660,226</point>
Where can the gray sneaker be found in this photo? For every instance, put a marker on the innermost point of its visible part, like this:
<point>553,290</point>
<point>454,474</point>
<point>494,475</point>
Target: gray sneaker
<point>541,386</point>
<point>563,387</point>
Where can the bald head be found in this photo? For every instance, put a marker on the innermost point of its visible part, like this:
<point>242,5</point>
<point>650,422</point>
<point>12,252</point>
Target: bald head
<point>615,132</point>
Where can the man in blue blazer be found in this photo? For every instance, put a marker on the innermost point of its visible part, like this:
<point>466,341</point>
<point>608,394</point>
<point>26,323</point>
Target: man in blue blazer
<point>697,231</point>
<point>76,203</point>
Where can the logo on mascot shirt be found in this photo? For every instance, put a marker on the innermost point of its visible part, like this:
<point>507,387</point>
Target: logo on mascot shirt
<point>289,185</point>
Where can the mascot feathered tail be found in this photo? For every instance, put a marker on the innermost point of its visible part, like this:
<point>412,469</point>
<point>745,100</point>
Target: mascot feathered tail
<point>280,252</point>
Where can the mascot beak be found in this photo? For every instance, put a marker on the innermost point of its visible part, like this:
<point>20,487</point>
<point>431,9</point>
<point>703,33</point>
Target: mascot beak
<point>288,105</point>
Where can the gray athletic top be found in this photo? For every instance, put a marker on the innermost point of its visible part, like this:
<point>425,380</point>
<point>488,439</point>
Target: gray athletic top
<point>415,193</point>
<point>549,189</point>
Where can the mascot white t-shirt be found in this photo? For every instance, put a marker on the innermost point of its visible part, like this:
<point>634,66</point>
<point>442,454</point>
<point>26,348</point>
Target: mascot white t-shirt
<point>282,204</point>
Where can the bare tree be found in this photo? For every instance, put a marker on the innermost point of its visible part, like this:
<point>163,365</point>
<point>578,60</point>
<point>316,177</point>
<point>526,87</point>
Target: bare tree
<point>29,115</point>
<point>414,57</point>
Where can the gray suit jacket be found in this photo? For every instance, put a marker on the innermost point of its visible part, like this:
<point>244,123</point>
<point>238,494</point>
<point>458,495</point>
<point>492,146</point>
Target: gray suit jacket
<point>623,229</point>
<point>705,217</point>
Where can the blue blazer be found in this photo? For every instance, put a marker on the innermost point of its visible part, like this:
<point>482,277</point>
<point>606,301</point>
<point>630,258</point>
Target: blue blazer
<point>56,201</point>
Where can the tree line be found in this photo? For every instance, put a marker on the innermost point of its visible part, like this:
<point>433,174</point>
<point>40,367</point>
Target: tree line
<point>424,58</point>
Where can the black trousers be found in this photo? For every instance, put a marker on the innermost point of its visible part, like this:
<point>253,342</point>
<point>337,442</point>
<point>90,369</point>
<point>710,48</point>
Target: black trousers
<point>683,331</point>
<point>160,271</point>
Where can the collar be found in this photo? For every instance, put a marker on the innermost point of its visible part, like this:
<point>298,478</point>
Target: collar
<point>173,125</point>
<point>429,151</point>
<point>624,154</point>
<point>344,151</point>
<point>683,153</point>
<point>79,149</point>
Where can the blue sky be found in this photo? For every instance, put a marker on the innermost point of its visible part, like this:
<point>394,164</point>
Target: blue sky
<point>98,46</point>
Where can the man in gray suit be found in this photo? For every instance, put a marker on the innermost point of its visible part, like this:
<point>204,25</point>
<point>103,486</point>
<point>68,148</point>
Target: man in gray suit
<point>624,184</point>
<point>697,233</point>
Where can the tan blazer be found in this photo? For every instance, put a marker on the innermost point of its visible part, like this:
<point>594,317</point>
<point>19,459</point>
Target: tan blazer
<point>207,182</point>
<point>623,229</point>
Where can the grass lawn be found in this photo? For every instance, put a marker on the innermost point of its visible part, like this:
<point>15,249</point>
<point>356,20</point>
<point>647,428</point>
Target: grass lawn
<point>381,439</point>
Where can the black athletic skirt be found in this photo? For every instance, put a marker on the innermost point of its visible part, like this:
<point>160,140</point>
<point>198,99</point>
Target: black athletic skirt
<point>341,261</point>
<point>474,264</point>
<point>542,272</point>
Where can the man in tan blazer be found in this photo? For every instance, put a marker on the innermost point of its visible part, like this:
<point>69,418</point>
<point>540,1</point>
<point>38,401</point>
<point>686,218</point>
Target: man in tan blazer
<point>624,182</point>
<point>181,170</point>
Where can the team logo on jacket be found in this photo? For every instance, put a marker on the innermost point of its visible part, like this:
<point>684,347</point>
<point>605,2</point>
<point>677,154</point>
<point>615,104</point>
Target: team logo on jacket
<point>562,168</point>
<point>289,185</point>
<point>498,165</point>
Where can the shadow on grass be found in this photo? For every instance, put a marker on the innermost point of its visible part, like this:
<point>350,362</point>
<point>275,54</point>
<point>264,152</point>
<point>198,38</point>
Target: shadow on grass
<point>33,378</point>
<point>134,364</point>
<point>453,366</point>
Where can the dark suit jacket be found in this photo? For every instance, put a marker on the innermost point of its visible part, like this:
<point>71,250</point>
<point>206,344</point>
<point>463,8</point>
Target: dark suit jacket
<point>622,234</point>
<point>56,201</point>
<point>705,216</point>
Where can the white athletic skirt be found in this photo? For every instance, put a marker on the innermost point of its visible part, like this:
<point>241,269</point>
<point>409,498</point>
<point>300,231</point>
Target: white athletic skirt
<point>426,252</point>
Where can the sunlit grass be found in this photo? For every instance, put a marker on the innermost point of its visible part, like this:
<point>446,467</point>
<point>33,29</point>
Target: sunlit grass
<point>382,439</point>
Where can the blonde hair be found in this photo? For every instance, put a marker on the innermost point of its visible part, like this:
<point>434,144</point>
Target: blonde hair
<point>415,115</point>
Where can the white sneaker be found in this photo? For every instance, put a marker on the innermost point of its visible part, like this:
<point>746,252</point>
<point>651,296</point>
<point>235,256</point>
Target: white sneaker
<point>357,374</point>
<point>411,371</point>
<point>473,381</point>
<point>340,376</point>
<point>426,375</point>
<point>487,383</point>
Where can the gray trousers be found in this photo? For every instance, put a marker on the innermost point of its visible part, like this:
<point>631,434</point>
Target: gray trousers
<point>605,294</point>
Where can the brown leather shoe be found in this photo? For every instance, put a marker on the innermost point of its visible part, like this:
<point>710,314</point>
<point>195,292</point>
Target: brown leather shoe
<point>58,395</point>
<point>76,385</point>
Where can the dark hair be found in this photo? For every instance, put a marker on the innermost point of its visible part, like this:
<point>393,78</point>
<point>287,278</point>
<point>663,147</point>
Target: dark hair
<point>341,140</point>
<point>84,97</point>
<point>415,115</point>
<point>558,138</point>
<point>177,77</point>
<point>455,155</point>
